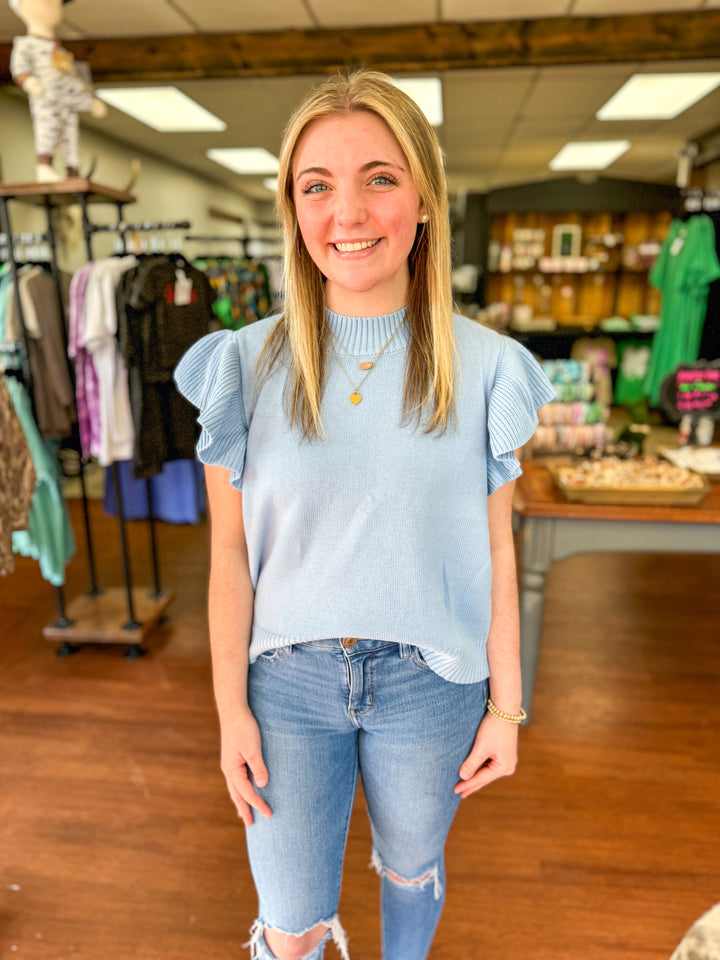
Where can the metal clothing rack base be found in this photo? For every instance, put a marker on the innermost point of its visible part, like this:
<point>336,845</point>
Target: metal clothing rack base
<point>114,615</point>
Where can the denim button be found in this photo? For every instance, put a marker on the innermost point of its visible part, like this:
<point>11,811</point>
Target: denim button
<point>349,641</point>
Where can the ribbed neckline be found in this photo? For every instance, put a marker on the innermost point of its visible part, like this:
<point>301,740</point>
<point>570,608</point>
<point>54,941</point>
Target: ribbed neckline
<point>366,336</point>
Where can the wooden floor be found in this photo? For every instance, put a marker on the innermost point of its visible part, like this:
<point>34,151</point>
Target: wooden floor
<point>117,841</point>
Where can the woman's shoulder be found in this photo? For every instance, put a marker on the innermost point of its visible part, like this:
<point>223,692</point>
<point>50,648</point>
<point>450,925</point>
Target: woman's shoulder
<point>246,342</point>
<point>476,339</point>
<point>224,356</point>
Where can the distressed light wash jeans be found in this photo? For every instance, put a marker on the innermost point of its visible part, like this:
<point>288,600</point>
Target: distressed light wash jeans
<point>328,710</point>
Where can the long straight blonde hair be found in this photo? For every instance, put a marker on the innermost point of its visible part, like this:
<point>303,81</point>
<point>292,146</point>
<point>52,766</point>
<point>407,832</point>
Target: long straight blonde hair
<point>299,339</point>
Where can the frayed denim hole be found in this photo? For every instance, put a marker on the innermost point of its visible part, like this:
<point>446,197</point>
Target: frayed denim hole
<point>257,940</point>
<point>414,883</point>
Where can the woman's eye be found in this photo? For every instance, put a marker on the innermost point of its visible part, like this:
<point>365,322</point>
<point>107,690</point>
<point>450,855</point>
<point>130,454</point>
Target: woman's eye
<point>314,188</point>
<point>383,179</point>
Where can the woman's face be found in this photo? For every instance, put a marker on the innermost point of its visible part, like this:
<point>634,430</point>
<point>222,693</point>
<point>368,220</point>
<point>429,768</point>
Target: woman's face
<point>358,210</point>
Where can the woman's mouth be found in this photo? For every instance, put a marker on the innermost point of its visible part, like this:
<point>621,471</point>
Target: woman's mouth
<point>355,246</point>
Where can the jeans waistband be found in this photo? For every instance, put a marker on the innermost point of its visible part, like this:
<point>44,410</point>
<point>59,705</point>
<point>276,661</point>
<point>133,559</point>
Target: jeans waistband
<point>357,644</point>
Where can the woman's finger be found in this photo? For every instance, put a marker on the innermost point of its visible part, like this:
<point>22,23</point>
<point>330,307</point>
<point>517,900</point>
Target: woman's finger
<point>246,790</point>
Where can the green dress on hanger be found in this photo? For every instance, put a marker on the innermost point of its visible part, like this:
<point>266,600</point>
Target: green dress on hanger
<point>686,265</point>
<point>49,538</point>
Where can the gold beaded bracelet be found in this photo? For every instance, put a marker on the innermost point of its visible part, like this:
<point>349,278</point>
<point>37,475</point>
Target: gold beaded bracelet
<point>507,717</point>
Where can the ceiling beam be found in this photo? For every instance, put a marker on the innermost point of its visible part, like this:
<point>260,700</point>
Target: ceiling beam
<point>407,48</point>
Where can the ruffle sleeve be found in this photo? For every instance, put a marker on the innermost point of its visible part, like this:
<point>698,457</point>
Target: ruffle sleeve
<point>210,377</point>
<point>520,388</point>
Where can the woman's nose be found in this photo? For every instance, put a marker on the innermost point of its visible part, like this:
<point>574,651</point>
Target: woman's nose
<point>350,207</point>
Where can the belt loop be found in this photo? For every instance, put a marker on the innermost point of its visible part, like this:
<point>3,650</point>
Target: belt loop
<point>405,650</point>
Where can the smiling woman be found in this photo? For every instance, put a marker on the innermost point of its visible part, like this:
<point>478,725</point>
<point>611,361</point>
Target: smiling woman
<point>363,603</point>
<point>358,214</point>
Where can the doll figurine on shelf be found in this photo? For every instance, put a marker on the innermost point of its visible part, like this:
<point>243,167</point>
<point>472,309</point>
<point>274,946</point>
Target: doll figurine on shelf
<point>46,72</point>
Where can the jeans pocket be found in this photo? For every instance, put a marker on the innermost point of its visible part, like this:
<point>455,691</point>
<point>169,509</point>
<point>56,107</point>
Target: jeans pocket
<point>418,659</point>
<point>273,655</point>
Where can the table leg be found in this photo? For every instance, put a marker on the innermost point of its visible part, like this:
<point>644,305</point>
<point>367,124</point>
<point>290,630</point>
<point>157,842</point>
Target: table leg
<point>537,539</point>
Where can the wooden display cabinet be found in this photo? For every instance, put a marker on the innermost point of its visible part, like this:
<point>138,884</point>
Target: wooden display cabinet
<point>607,276</point>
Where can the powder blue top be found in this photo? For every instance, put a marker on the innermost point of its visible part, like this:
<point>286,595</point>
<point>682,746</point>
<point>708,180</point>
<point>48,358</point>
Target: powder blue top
<point>379,530</point>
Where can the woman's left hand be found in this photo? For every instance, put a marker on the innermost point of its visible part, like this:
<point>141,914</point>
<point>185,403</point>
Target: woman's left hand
<point>494,755</point>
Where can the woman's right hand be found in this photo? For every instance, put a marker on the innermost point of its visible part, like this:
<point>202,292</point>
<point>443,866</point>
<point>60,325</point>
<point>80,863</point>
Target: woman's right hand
<point>242,763</point>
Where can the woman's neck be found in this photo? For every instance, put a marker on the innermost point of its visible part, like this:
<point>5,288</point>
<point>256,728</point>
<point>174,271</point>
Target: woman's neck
<point>378,302</point>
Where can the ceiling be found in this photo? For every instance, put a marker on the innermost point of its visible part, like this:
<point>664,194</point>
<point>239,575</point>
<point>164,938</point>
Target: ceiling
<point>502,126</point>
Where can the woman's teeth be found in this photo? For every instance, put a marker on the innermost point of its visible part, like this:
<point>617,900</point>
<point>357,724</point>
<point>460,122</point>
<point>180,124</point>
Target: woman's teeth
<point>352,247</point>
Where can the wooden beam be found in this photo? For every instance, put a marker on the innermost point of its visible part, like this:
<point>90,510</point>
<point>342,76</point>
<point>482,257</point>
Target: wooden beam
<point>407,48</point>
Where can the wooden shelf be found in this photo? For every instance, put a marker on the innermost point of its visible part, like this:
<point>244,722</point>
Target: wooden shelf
<point>63,192</point>
<point>103,618</point>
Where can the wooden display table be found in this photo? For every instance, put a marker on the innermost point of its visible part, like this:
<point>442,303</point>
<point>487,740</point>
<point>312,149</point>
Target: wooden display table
<point>552,528</point>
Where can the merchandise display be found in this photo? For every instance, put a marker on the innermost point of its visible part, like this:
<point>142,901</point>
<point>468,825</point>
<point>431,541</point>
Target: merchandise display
<point>578,269</point>
<point>643,480</point>
<point>575,420</point>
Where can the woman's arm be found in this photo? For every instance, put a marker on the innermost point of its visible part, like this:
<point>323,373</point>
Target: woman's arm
<point>230,612</point>
<point>494,753</point>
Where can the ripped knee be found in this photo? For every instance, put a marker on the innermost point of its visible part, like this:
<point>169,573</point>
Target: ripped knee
<point>431,876</point>
<point>270,942</point>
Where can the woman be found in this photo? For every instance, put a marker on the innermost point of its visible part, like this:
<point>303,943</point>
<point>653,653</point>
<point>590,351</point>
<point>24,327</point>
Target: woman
<point>360,465</point>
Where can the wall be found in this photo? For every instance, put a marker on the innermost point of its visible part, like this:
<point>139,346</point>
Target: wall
<point>164,192</point>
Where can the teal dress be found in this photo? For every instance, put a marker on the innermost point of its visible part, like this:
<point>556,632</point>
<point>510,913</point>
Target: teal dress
<point>49,538</point>
<point>684,269</point>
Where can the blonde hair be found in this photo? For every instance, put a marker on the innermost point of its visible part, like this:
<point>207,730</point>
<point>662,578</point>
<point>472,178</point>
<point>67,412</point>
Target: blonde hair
<point>300,337</point>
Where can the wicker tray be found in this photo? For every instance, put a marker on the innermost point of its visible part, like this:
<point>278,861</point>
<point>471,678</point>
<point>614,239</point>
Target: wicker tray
<point>662,496</point>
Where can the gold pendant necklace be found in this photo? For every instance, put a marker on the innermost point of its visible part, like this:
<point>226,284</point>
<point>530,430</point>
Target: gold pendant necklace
<point>367,365</point>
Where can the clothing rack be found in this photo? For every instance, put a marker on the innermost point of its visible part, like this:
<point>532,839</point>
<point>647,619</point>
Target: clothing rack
<point>125,230</point>
<point>25,240</point>
<point>243,241</point>
<point>697,200</point>
<point>98,616</point>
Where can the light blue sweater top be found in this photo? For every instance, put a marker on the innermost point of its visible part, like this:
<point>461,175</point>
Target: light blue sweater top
<point>379,530</point>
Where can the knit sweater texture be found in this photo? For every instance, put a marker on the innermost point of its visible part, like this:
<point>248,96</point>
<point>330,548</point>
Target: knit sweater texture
<point>379,530</point>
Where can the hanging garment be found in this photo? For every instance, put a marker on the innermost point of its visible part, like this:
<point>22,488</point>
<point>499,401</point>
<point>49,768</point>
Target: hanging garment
<point>10,355</point>
<point>164,306</point>
<point>178,493</point>
<point>49,536</point>
<point>17,479</point>
<point>242,289</point>
<point>116,434</point>
<point>686,265</point>
<point>87,391</point>
<point>633,364</point>
<point>710,342</point>
<point>53,395</point>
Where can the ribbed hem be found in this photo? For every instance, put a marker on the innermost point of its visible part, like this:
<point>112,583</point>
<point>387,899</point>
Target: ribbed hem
<point>366,336</point>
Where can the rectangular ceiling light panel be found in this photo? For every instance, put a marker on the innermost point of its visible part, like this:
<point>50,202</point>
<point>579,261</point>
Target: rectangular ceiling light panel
<point>427,94</point>
<point>246,160</point>
<point>658,96</point>
<point>163,108</point>
<point>591,155</point>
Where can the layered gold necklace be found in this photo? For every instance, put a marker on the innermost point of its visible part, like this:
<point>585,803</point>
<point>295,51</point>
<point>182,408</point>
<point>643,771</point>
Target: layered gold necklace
<point>366,365</point>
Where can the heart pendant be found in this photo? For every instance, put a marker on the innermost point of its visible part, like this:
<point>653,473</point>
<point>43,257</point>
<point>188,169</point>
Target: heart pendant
<point>366,365</point>
<point>355,398</point>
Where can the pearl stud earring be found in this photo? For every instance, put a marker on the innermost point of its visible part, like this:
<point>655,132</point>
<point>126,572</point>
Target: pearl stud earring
<point>425,218</point>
